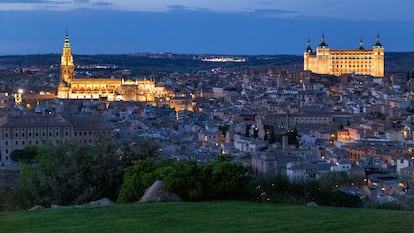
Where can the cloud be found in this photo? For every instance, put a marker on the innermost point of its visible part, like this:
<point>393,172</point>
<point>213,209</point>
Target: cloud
<point>177,7</point>
<point>356,10</point>
<point>32,1</point>
<point>101,3</point>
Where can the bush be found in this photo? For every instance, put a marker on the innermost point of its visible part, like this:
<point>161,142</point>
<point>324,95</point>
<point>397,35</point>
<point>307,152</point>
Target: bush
<point>214,180</point>
<point>4,195</point>
<point>279,189</point>
<point>67,174</point>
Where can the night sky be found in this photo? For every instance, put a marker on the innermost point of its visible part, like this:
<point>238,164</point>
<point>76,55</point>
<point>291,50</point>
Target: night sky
<point>240,27</point>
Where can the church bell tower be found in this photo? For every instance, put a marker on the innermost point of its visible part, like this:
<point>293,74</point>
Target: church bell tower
<point>66,70</point>
<point>66,65</point>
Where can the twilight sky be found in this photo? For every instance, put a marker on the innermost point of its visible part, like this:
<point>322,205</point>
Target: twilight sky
<point>202,26</point>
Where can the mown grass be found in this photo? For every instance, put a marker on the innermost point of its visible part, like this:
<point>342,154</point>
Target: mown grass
<point>207,217</point>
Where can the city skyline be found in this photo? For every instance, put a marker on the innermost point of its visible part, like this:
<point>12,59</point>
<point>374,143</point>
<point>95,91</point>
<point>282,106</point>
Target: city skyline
<point>203,27</point>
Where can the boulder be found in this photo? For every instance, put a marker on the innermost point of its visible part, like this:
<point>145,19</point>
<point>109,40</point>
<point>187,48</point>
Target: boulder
<point>101,202</point>
<point>157,192</point>
<point>54,206</point>
<point>312,203</point>
<point>37,207</point>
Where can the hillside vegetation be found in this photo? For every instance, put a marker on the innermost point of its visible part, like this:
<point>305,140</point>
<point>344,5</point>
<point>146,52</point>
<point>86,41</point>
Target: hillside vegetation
<point>207,217</point>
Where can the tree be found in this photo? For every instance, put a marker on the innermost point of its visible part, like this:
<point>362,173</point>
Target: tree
<point>69,173</point>
<point>332,180</point>
<point>27,155</point>
<point>247,132</point>
<point>293,137</point>
<point>224,129</point>
<point>255,133</point>
<point>213,180</point>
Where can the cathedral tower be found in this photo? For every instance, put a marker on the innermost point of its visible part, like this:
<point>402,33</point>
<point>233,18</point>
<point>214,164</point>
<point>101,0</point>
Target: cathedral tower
<point>66,65</point>
<point>66,70</point>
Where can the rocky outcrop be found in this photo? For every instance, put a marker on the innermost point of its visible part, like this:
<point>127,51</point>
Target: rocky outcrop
<point>157,192</point>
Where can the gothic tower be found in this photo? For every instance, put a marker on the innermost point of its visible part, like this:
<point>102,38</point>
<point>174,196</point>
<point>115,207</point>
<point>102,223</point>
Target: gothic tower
<point>66,70</point>
<point>66,64</point>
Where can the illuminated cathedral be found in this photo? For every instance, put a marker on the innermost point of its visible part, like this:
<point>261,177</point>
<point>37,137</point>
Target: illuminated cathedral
<point>337,62</point>
<point>102,88</point>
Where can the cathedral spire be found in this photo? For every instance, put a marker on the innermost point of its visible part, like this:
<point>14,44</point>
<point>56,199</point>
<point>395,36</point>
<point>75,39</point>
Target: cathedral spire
<point>66,44</point>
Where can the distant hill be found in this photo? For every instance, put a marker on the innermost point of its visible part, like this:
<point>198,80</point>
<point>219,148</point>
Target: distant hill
<point>399,62</point>
<point>145,63</point>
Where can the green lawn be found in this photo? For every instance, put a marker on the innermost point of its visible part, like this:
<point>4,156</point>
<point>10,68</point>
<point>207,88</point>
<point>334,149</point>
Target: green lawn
<point>207,217</point>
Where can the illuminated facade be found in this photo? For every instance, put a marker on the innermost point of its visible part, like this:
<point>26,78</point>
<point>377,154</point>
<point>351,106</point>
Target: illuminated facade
<point>102,88</point>
<point>359,61</point>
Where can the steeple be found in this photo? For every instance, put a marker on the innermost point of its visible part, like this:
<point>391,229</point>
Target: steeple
<point>66,63</point>
<point>309,48</point>
<point>66,44</point>
<point>377,42</point>
<point>361,45</point>
<point>323,44</point>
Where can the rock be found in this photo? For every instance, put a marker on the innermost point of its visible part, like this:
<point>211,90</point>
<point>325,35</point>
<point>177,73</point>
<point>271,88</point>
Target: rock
<point>37,207</point>
<point>312,203</point>
<point>101,202</point>
<point>54,206</point>
<point>158,192</point>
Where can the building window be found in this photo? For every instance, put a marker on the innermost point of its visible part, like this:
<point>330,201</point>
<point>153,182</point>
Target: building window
<point>17,142</point>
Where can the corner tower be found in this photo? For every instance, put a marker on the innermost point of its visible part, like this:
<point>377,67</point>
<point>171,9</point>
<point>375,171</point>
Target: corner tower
<point>323,56</point>
<point>378,58</point>
<point>308,57</point>
<point>66,65</point>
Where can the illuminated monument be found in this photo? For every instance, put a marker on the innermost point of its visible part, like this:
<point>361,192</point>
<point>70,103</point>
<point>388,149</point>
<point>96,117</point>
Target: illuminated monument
<point>359,61</point>
<point>102,88</point>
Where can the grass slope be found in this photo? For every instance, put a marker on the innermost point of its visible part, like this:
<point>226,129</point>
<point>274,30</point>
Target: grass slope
<point>207,217</point>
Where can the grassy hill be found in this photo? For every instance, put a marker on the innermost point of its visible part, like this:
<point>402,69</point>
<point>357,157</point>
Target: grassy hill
<point>207,217</point>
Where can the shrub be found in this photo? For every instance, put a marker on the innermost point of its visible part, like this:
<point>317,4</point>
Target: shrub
<point>214,180</point>
<point>67,174</point>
